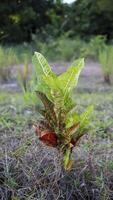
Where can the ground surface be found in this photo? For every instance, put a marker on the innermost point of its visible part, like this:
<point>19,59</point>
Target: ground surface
<point>31,171</point>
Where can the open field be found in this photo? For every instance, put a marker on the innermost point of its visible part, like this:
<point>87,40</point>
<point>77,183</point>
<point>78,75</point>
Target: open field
<point>31,171</point>
<point>53,144</point>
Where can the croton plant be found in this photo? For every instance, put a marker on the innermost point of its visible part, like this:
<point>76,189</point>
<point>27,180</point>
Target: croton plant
<point>60,126</point>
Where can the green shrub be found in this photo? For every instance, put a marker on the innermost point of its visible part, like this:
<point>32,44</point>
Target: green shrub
<point>10,56</point>
<point>63,48</point>
<point>96,44</point>
<point>70,48</point>
<point>106,61</point>
<point>61,126</point>
<point>7,59</point>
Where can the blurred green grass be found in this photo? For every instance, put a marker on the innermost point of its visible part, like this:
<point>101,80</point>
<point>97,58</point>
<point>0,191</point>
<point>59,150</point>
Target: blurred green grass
<point>61,49</point>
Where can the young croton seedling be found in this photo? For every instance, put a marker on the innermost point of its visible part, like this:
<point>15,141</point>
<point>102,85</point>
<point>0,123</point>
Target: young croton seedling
<point>61,126</point>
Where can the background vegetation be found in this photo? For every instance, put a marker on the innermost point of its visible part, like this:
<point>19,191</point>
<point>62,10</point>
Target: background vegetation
<point>49,19</point>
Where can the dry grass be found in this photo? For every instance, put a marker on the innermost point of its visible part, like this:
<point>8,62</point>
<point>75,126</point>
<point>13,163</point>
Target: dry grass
<point>29,170</point>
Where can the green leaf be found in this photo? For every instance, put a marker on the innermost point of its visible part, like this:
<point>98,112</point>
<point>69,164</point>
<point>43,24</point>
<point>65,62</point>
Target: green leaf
<point>52,82</point>
<point>71,119</point>
<point>56,88</point>
<point>56,92</point>
<point>69,79</point>
<point>84,117</point>
<point>41,70</point>
<point>42,67</point>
